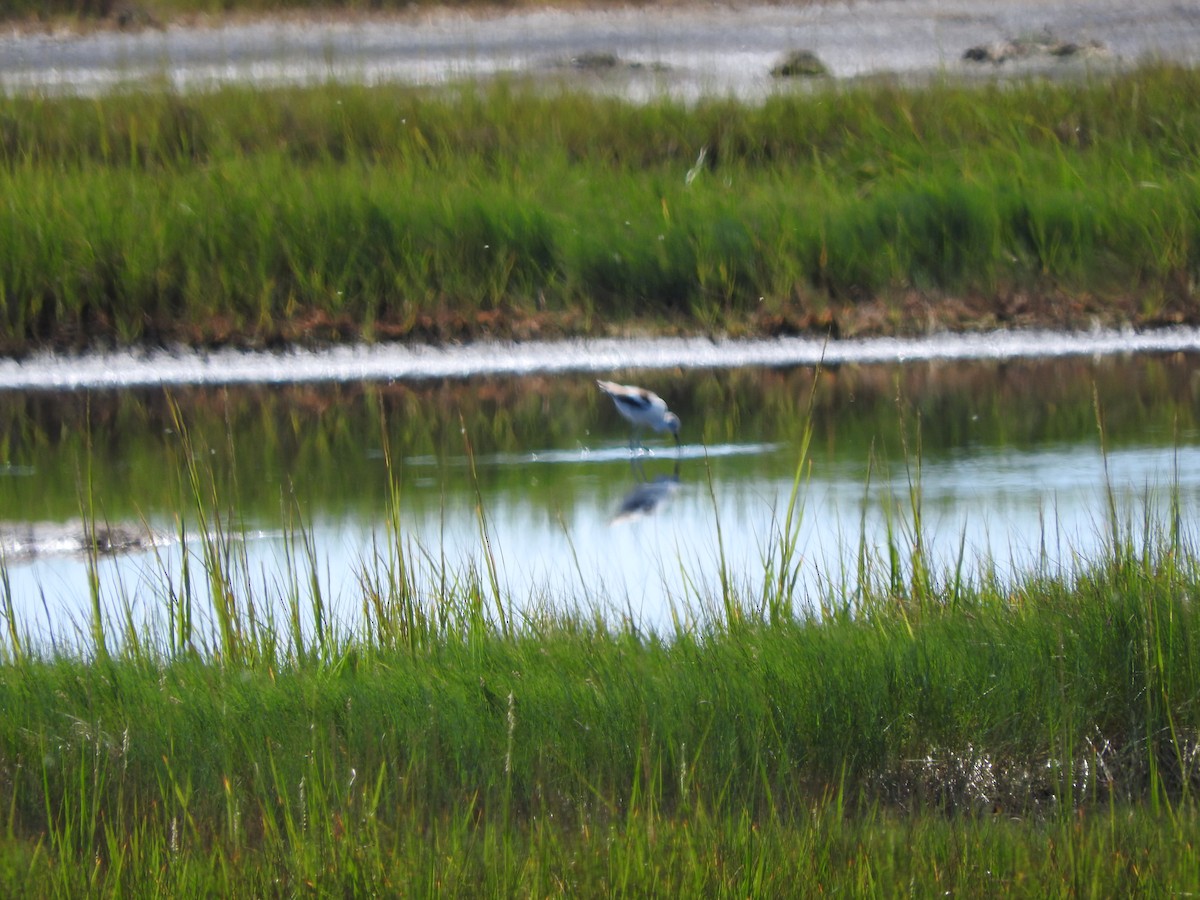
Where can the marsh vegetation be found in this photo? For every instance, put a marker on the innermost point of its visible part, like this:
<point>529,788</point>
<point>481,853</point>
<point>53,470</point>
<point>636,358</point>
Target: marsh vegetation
<point>344,213</point>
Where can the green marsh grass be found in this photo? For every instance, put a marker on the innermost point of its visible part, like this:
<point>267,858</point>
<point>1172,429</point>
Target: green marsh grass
<point>334,212</point>
<point>934,732</point>
<point>156,13</point>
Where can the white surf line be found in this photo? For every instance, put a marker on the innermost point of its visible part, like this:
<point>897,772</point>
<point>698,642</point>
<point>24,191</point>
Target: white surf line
<point>395,362</point>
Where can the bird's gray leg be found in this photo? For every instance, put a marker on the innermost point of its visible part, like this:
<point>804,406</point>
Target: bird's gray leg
<point>636,467</point>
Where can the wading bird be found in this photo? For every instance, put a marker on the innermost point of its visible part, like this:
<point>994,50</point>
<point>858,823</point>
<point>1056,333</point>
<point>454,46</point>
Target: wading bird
<point>643,408</point>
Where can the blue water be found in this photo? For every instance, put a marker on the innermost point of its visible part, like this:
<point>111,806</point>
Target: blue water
<point>999,514</point>
<point>658,537</point>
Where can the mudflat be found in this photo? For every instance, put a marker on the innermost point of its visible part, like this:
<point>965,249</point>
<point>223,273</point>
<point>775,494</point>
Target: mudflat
<point>684,49</point>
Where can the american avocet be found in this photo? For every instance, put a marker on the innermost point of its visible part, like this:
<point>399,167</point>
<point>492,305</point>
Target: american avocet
<point>643,408</point>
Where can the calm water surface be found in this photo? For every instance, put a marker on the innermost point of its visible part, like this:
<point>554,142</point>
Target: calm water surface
<point>679,50</point>
<point>1007,459</point>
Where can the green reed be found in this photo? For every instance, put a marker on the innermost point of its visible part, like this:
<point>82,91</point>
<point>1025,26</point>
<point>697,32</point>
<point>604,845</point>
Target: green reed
<point>347,212</point>
<point>155,13</point>
<point>318,771</point>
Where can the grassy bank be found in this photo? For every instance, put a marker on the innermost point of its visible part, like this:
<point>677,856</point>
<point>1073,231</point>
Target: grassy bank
<point>140,14</point>
<point>923,732</point>
<point>343,212</point>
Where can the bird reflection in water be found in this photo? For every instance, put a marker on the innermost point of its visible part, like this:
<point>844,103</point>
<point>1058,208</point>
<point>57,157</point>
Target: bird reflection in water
<point>646,497</point>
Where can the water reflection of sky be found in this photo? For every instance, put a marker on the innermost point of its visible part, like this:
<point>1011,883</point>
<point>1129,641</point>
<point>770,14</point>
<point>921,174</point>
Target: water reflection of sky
<point>1012,475</point>
<point>1005,511</point>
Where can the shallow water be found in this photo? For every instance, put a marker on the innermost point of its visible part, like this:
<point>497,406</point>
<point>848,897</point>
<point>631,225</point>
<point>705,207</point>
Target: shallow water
<point>1014,476</point>
<point>684,51</point>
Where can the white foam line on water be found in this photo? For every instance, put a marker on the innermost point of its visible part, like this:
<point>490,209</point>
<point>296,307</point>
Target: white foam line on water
<point>619,453</point>
<point>394,362</point>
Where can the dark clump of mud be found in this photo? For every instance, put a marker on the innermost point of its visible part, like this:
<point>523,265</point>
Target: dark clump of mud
<point>28,540</point>
<point>799,64</point>
<point>602,62</point>
<point>1023,48</point>
<point>594,61</point>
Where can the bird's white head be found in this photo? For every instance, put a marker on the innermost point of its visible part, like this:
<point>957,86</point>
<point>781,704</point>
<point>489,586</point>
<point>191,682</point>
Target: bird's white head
<point>671,423</point>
